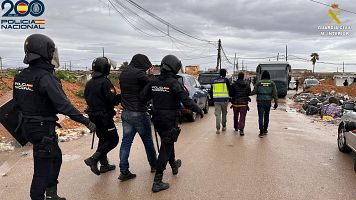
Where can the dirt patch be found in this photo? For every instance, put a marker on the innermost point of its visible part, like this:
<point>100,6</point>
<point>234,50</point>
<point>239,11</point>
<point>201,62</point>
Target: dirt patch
<point>5,85</point>
<point>328,85</point>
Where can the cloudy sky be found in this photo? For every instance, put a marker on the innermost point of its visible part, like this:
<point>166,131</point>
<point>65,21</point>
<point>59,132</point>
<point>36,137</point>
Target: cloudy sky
<point>252,29</point>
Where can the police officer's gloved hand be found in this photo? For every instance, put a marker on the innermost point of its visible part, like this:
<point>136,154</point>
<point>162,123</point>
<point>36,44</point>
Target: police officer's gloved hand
<point>275,106</point>
<point>201,113</point>
<point>91,126</point>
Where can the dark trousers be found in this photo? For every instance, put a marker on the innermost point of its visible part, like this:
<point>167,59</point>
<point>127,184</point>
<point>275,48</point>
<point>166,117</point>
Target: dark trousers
<point>164,123</point>
<point>240,117</point>
<point>264,109</point>
<point>166,155</point>
<point>46,165</point>
<point>107,134</point>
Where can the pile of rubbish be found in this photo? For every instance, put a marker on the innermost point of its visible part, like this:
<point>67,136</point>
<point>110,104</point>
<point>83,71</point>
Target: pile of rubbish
<point>6,145</point>
<point>70,134</point>
<point>327,105</point>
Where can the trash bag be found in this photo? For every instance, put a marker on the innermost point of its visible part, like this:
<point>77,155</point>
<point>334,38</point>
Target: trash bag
<point>314,101</point>
<point>348,106</point>
<point>331,110</point>
<point>312,110</point>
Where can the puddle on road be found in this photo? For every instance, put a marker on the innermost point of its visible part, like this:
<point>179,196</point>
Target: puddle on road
<point>69,158</point>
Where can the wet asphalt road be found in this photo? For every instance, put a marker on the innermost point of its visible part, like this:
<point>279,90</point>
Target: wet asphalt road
<point>297,160</point>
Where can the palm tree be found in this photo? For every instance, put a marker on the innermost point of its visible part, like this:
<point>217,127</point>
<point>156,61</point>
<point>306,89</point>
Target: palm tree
<point>314,58</point>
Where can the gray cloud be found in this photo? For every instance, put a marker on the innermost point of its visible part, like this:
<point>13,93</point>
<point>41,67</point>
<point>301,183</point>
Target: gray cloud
<point>259,28</point>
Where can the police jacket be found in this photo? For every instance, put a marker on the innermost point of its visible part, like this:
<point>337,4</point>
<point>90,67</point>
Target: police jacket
<point>167,94</point>
<point>239,92</point>
<point>101,97</point>
<point>220,87</point>
<point>266,91</point>
<point>132,80</point>
<point>39,96</point>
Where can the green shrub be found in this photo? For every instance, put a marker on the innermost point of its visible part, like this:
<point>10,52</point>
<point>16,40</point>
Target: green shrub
<point>66,75</point>
<point>80,93</point>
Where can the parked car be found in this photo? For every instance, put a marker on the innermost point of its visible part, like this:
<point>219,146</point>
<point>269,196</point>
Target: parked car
<point>346,139</point>
<point>205,80</point>
<point>310,82</point>
<point>196,92</point>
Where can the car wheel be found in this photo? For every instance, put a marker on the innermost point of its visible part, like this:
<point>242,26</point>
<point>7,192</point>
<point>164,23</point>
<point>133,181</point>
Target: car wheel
<point>206,107</point>
<point>192,117</point>
<point>341,140</point>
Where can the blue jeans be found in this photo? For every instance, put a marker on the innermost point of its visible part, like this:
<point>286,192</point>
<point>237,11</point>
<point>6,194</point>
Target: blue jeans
<point>264,109</point>
<point>133,122</point>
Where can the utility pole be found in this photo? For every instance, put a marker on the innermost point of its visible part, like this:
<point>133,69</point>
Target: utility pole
<point>235,64</point>
<point>65,66</point>
<point>103,52</point>
<point>286,53</point>
<point>70,65</point>
<point>218,64</point>
<point>343,67</point>
<point>277,56</point>
<point>0,63</point>
<point>242,65</point>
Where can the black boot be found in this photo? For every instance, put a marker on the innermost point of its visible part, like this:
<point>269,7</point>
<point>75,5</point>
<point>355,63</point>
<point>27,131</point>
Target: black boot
<point>126,175</point>
<point>51,193</point>
<point>153,169</point>
<point>177,164</point>
<point>158,185</point>
<point>105,166</point>
<point>92,162</point>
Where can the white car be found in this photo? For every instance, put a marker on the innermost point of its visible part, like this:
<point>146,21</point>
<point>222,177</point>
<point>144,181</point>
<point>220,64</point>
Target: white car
<point>346,139</point>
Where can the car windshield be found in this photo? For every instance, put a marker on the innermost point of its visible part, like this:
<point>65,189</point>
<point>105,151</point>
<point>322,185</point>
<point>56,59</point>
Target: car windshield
<point>206,79</point>
<point>312,82</point>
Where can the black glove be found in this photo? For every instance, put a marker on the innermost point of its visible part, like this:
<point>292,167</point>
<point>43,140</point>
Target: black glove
<point>201,113</point>
<point>91,126</point>
<point>275,106</point>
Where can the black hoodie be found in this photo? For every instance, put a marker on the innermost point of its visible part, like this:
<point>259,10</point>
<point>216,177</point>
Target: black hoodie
<point>240,91</point>
<point>132,80</point>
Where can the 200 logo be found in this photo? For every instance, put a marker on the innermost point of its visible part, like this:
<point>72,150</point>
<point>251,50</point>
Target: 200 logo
<point>23,8</point>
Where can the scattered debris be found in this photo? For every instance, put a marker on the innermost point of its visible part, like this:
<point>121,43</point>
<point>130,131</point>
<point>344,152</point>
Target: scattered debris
<point>71,134</point>
<point>6,145</point>
<point>327,102</point>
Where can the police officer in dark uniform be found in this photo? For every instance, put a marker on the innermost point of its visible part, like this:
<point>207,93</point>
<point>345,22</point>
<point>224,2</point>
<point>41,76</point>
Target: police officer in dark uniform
<point>167,94</point>
<point>101,97</point>
<point>39,96</point>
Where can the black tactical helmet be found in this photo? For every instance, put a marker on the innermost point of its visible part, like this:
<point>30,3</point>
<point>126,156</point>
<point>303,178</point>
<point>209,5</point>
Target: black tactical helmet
<point>102,65</point>
<point>171,63</point>
<point>38,46</point>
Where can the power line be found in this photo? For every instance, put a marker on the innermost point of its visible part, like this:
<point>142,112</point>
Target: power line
<point>128,21</point>
<point>169,25</point>
<point>222,49</point>
<point>321,3</point>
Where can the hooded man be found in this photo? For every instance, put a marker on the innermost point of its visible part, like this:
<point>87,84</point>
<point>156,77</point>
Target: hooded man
<point>266,91</point>
<point>134,116</point>
<point>239,92</point>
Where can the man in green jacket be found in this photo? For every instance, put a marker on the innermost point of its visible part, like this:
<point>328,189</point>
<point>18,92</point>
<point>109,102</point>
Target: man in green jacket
<point>266,91</point>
